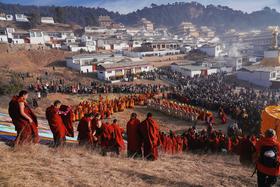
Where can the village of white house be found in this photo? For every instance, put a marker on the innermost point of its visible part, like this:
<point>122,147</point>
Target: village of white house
<point>113,52</point>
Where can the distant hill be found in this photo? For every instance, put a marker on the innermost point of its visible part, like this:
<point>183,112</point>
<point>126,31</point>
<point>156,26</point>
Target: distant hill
<point>219,17</point>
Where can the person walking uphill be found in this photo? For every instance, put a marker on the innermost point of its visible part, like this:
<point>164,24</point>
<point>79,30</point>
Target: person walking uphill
<point>133,137</point>
<point>24,119</point>
<point>268,155</point>
<point>56,123</point>
<point>150,136</point>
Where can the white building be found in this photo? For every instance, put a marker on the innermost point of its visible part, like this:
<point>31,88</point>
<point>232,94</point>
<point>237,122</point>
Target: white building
<point>147,25</point>
<point>189,70</point>
<point>211,50</point>
<point>121,70</point>
<point>21,18</point>
<point>20,37</point>
<point>59,35</point>
<point>3,36</point>
<point>83,63</point>
<point>9,17</point>
<point>151,53</point>
<point>10,32</point>
<point>37,37</point>
<point>48,20</point>
<point>76,47</point>
<point>228,62</point>
<point>3,17</point>
<point>96,30</point>
<point>135,43</point>
<point>260,76</point>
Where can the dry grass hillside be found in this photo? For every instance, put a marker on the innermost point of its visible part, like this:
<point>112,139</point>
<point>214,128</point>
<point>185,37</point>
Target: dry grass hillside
<point>29,58</point>
<point>73,166</point>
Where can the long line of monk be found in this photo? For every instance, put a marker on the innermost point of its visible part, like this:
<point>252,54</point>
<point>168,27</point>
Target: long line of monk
<point>143,138</point>
<point>183,111</point>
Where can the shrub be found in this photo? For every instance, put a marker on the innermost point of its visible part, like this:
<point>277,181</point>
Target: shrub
<point>12,87</point>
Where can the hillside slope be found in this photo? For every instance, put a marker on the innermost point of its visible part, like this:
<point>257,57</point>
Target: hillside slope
<point>72,166</point>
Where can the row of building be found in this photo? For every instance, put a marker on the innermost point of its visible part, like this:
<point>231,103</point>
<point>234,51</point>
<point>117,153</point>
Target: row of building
<point>108,67</point>
<point>23,18</point>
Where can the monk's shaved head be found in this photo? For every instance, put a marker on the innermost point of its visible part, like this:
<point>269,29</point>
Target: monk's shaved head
<point>57,103</point>
<point>149,115</point>
<point>133,115</point>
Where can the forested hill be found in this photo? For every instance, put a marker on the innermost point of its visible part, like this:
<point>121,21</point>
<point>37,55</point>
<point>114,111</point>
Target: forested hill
<point>69,14</point>
<point>220,17</point>
<point>170,15</point>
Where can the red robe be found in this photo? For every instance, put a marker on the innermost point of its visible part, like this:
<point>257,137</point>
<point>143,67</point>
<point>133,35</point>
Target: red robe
<point>223,117</point>
<point>150,136</point>
<point>163,142</point>
<point>118,139</point>
<point>179,144</point>
<point>174,145</point>
<point>56,123</point>
<point>246,148</point>
<point>85,132</point>
<point>26,132</point>
<point>185,144</point>
<point>133,137</point>
<point>169,145</point>
<point>67,117</point>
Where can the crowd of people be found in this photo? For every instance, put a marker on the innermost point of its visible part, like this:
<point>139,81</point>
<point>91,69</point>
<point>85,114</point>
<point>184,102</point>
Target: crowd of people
<point>216,93</point>
<point>44,87</point>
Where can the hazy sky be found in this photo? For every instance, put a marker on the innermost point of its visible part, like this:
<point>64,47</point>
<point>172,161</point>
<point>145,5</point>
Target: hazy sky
<point>125,6</point>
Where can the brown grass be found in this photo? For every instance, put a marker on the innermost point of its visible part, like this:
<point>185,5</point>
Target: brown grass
<point>72,166</point>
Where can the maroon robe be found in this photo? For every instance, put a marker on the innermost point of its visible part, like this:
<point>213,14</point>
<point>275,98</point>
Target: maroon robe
<point>150,136</point>
<point>56,124</point>
<point>133,137</point>
<point>67,118</point>
<point>26,132</point>
<point>85,135</point>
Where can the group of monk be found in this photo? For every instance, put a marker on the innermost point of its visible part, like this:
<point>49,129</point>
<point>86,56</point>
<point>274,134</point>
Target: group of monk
<point>106,107</point>
<point>93,131</point>
<point>143,138</point>
<point>192,140</point>
<point>181,111</point>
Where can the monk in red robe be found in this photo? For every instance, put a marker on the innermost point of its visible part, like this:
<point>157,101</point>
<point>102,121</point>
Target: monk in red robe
<point>133,137</point>
<point>118,145</point>
<point>24,119</point>
<point>185,142</point>
<point>85,136</point>
<point>106,139</point>
<point>56,123</point>
<point>150,136</point>
<point>174,142</point>
<point>179,144</point>
<point>246,151</point>
<point>222,115</point>
<point>163,141</point>
<point>169,145</point>
<point>67,117</point>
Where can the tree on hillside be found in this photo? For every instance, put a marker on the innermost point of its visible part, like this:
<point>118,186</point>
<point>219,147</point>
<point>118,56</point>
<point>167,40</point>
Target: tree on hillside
<point>59,15</point>
<point>34,19</point>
